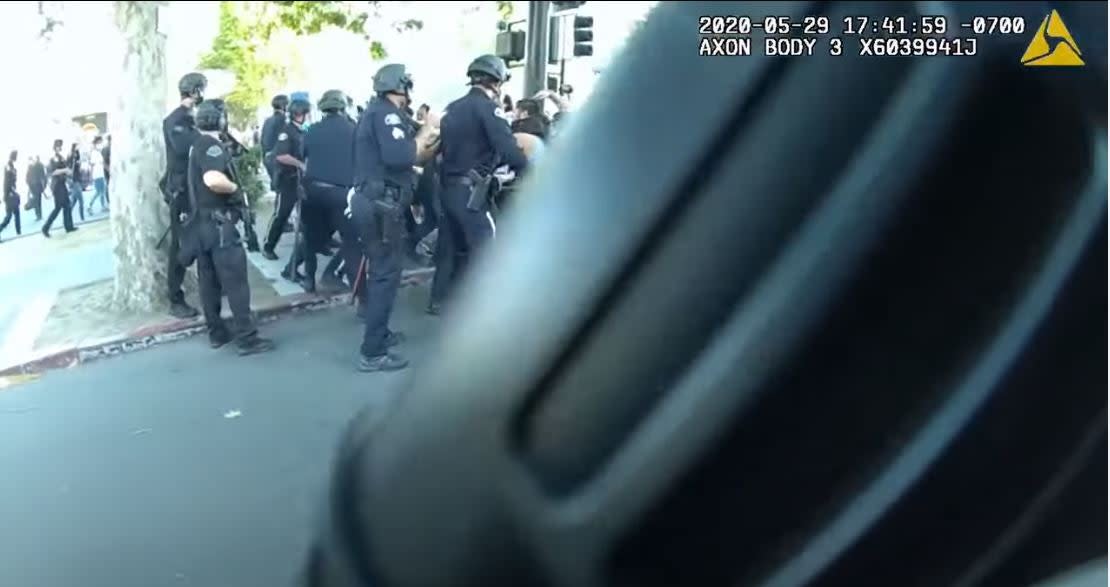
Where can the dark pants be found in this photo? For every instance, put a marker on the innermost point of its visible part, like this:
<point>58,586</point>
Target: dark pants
<point>36,201</point>
<point>323,216</point>
<point>383,277</point>
<point>11,210</point>
<point>283,207</point>
<point>222,271</point>
<point>444,258</point>
<point>61,205</point>
<point>467,230</point>
<point>175,270</point>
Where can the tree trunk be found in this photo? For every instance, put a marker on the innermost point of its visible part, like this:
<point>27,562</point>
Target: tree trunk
<point>139,216</point>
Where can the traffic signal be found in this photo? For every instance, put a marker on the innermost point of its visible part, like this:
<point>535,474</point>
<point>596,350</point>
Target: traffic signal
<point>509,45</point>
<point>583,36</point>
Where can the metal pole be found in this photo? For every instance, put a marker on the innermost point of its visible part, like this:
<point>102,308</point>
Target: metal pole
<point>535,62</point>
<point>562,74</point>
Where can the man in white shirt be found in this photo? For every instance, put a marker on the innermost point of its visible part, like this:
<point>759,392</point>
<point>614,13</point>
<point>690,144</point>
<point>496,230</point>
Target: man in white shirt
<point>100,184</point>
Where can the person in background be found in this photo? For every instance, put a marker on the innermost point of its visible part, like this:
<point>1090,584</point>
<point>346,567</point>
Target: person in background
<point>529,113</point>
<point>76,188</point>
<point>100,184</point>
<point>59,170</point>
<point>507,103</point>
<point>422,113</point>
<point>11,197</point>
<point>107,152</point>
<point>529,134</point>
<point>36,183</point>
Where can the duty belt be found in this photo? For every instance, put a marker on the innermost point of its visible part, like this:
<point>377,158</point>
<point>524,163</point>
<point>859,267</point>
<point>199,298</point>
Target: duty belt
<point>458,180</point>
<point>324,184</point>
<point>221,215</point>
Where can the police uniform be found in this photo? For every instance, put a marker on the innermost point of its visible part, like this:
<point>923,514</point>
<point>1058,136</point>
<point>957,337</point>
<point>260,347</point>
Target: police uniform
<point>385,152</point>
<point>474,139</point>
<point>329,175</point>
<point>290,141</point>
<point>60,192</point>
<point>271,128</point>
<point>179,133</point>
<point>213,240</point>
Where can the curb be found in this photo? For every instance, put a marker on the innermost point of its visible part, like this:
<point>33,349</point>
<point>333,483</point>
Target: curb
<point>175,330</point>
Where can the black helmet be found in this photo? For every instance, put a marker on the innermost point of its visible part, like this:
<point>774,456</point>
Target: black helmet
<point>332,100</point>
<point>392,78</point>
<point>192,85</point>
<point>211,116</point>
<point>489,65</point>
<point>280,102</point>
<point>299,106</point>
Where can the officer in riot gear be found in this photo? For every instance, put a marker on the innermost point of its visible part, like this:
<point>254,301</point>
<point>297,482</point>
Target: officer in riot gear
<point>211,239</point>
<point>236,149</point>
<point>329,175</point>
<point>475,141</point>
<point>179,132</point>
<point>271,128</point>
<point>386,149</point>
<point>289,165</point>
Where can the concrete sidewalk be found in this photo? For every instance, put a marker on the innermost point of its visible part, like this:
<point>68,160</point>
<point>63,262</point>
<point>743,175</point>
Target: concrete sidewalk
<point>53,295</point>
<point>183,465</point>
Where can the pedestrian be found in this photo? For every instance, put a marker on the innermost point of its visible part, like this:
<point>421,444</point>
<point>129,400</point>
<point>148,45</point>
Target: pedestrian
<point>386,149</point>
<point>475,141</point>
<point>76,183</point>
<point>210,237</point>
<point>11,197</point>
<point>179,132</point>
<point>329,175</point>
<point>59,171</point>
<point>107,152</point>
<point>289,169</point>
<point>100,184</point>
<point>36,184</point>
<point>271,128</point>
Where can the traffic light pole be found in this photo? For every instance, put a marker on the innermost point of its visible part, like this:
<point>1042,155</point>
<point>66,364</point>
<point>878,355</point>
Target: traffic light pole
<point>535,62</point>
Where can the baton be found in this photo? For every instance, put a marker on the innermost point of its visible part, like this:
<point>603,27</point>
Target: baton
<point>359,278</point>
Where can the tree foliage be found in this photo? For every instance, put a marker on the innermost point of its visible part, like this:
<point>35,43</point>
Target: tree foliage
<point>237,49</point>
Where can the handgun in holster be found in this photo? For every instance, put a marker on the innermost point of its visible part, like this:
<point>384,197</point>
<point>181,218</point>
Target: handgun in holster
<point>480,186</point>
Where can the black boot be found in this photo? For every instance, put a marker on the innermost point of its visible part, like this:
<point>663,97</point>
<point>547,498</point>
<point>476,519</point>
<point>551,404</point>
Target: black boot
<point>181,310</point>
<point>218,338</point>
<point>254,344</point>
<point>269,253</point>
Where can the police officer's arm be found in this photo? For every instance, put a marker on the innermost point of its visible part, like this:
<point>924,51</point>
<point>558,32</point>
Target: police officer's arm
<point>269,133</point>
<point>213,163</point>
<point>182,136</point>
<point>283,152</point>
<point>501,137</point>
<point>398,149</point>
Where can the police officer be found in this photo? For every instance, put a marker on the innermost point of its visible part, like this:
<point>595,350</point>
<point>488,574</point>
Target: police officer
<point>289,165</point>
<point>235,149</point>
<point>179,132</point>
<point>475,141</point>
<point>386,148</point>
<point>329,175</point>
<point>271,128</point>
<point>210,236</point>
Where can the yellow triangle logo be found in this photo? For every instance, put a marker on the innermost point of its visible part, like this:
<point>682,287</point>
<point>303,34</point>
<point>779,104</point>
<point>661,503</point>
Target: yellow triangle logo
<point>1052,45</point>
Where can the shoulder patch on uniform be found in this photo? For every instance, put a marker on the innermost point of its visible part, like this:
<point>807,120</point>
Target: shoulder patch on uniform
<point>392,119</point>
<point>283,136</point>
<point>179,128</point>
<point>214,151</point>
<point>398,133</point>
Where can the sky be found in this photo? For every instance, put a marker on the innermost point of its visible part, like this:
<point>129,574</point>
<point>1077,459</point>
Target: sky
<point>75,72</point>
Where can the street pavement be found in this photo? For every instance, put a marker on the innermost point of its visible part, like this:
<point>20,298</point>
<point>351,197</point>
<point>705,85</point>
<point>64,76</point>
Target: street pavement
<point>181,465</point>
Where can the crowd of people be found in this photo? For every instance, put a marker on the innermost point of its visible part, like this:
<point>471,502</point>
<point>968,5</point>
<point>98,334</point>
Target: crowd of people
<point>367,185</point>
<point>63,179</point>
